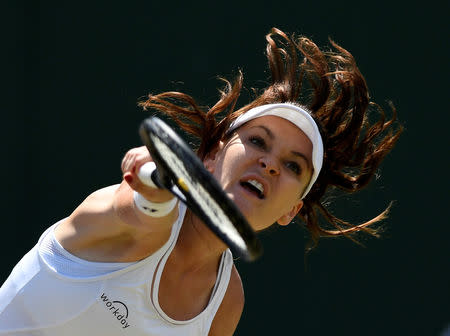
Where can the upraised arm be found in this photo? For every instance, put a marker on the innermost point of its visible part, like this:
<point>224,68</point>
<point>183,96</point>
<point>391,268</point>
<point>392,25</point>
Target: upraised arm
<point>109,227</point>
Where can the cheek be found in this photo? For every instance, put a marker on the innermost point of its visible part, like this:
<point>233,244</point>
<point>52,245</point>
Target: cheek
<point>229,161</point>
<point>290,194</point>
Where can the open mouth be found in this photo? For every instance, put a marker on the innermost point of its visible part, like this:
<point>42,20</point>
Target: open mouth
<point>254,187</point>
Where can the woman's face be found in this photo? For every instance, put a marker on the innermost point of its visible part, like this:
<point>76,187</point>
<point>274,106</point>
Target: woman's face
<point>263,168</point>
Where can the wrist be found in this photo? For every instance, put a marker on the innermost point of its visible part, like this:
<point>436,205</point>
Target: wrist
<point>153,209</point>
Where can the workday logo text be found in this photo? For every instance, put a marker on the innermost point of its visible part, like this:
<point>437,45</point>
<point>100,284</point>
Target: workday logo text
<point>118,309</point>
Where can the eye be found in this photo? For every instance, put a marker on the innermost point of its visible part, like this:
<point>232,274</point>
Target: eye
<point>258,141</point>
<point>294,166</point>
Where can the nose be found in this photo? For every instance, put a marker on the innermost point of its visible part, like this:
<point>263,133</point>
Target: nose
<point>269,166</point>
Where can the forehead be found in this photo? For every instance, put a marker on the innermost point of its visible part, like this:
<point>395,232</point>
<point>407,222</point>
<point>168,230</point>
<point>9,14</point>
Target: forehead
<point>281,131</point>
<point>277,126</point>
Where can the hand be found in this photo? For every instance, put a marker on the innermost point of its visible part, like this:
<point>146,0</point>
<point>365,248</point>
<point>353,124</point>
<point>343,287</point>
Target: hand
<point>131,163</point>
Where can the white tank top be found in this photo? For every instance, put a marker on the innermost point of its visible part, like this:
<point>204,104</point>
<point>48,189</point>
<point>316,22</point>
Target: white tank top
<point>39,299</point>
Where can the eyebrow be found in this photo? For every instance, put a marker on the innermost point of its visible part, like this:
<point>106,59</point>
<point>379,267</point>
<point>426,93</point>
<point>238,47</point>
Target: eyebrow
<point>297,154</point>
<point>268,131</point>
<point>301,155</point>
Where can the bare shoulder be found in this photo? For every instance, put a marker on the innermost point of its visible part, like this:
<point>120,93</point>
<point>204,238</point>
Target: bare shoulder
<point>230,311</point>
<point>92,220</point>
<point>107,218</point>
<point>97,207</point>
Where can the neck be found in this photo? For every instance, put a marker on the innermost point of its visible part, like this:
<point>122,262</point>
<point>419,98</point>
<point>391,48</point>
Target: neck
<point>198,246</point>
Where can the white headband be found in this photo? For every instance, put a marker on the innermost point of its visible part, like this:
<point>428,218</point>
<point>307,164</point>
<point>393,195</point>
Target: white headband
<point>300,118</point>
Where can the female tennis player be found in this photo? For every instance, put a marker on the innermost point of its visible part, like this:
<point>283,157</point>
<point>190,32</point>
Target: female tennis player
<point>131,260</point>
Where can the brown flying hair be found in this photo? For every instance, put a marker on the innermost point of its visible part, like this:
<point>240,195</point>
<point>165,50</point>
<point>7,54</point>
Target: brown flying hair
<point>337,97</point>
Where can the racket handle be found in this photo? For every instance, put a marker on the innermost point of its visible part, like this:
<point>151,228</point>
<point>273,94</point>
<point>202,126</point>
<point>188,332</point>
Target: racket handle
<point>149,175</point>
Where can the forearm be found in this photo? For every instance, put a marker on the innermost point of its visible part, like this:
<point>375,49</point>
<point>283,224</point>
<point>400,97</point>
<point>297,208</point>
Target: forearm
<point>128,211</point>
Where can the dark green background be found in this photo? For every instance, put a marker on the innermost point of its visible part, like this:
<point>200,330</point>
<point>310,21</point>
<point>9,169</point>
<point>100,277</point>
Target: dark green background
<point>73,73</point>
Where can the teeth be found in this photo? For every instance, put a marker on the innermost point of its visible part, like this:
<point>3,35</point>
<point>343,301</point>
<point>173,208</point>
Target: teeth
<point>257,185</point>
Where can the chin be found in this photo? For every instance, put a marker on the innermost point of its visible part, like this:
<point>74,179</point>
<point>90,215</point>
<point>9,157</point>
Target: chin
<point>247,208</point>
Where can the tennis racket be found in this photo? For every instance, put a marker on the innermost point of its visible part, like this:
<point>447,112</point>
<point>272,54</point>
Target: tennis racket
<point>180,171</point>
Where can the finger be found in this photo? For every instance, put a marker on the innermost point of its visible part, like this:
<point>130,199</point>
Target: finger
<point>122,164</point>
<point>127,160</point>
<point>135,184</point>
<point>126,163</point>
<point>154,194</point>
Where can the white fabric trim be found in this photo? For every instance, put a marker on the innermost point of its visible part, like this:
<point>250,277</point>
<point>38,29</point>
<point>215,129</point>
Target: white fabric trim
<point>64,263</point>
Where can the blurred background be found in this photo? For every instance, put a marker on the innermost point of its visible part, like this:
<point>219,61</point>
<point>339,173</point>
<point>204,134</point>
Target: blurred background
<point>73,73</point>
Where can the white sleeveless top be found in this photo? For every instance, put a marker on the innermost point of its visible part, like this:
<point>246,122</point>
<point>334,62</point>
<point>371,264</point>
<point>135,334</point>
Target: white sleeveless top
<point>40,299</point>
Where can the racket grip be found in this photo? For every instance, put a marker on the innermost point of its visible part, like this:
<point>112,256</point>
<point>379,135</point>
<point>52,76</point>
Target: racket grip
<point>148,174</point>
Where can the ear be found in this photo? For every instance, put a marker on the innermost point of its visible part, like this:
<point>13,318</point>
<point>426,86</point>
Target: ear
<point>286,218</point>
<point>210,160</point>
